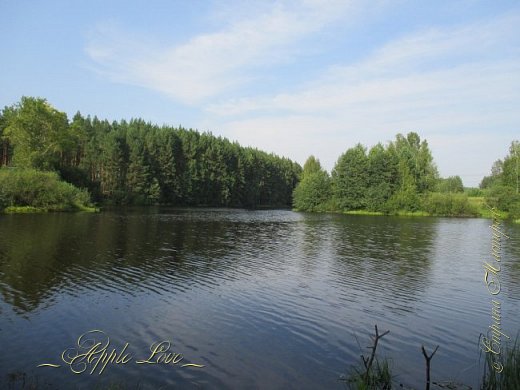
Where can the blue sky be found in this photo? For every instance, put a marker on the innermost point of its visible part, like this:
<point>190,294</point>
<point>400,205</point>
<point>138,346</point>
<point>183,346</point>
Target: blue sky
<point>291,77</point>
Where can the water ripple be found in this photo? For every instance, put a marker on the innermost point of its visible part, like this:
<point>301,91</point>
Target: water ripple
<point>264,299</point>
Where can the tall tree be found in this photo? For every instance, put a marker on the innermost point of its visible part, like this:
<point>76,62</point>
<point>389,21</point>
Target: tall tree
<point>511,167</point>
<point>314,190</point>
<point>350,180</point>
<point>416,170</point>
<point>416,167</point>
<point>450,184</point>
<point>5,147</point>
<point>168,149</point>
<point>503,184</point>
<point>114,165</point>
<point>136,161</point>
<point>312,165</point>
<point>142,187</point>
<point>495,177</point>
<point>382,178</point>
<point>38,133</point>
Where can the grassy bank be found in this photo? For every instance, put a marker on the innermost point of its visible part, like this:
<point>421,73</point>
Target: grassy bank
<point>433,205</point>
<point>38,210</point>
<point>376,373</point>
<point>479,203</point>
<point>363,212</point>
<point>32,191</point>
<point>399,213</point>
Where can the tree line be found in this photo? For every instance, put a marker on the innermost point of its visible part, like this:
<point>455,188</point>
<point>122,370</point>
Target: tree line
<point>381,179</point>
<point>502,187</point>
<point>136,162</point>
<point>401,177</point>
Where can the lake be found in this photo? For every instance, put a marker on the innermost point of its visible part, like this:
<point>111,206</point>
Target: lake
<point>263,299</point>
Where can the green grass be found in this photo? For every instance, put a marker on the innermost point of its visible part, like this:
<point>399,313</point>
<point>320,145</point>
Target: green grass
<point>509,378</point>
<point>88,209</point>
<point>380,377</point>
<point>24,210</point>
<point>400,213</point>
<point>434,205</point>
<point>479,203</point>
<point>484,211</point>
<point>363,212</point>
<point>35,210</point>
<point>404,213</point>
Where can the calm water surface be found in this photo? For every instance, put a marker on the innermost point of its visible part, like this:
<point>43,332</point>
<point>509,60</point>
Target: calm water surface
<point>263,299</point>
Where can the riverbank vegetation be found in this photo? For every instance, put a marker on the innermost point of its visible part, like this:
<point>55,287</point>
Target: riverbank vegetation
<point>29,190</point>
<point>136,162</point>
<point>401,178</point>
<point>502,187</point>
<point>376,372</point>
<point>509,378</point>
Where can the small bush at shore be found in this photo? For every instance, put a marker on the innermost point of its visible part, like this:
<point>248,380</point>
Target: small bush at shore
<point>449,204</point>
<point>31,189</point>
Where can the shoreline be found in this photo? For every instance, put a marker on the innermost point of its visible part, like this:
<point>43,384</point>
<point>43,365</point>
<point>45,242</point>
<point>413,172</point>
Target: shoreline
<point>45,210</point>
<point>482,213</point>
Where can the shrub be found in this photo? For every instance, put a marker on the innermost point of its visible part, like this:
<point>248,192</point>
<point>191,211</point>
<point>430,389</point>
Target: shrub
<point>504,198</point>
<point>449,204</point>
<point>403,200</point>
<point>474,192</point>
<point>313,192</point>
<point>44,190</point>
<point>450,184</point>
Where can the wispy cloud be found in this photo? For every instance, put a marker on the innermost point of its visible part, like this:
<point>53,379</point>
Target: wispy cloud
<point>444,83</point>
<point>428,68</point>
<point>437,80</point>
<point>210,64</point>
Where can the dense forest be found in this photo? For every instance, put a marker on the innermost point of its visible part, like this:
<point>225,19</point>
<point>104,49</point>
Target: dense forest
<point>401,178</point>
<point>136,162</point>
<point>51,162</point>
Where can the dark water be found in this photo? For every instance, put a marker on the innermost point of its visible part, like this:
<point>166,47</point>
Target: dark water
<point>263,299</point>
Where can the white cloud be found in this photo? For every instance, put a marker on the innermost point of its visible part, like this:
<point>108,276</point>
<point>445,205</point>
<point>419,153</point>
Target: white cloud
<point>431,67</point>
<point>210,64</point>
<point>447,84</point>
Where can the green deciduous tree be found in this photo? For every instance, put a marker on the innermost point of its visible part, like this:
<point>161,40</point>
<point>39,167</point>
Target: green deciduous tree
<point>511,167</point>
<point>416,167</point>
<point>349,179</point>
<point>6,149</point>
<point>38,132</point>
<point>314,190</point>
<point>450,185</point>
<point>503,184</point>
<point>382,178</point>
<point>416,171</point>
